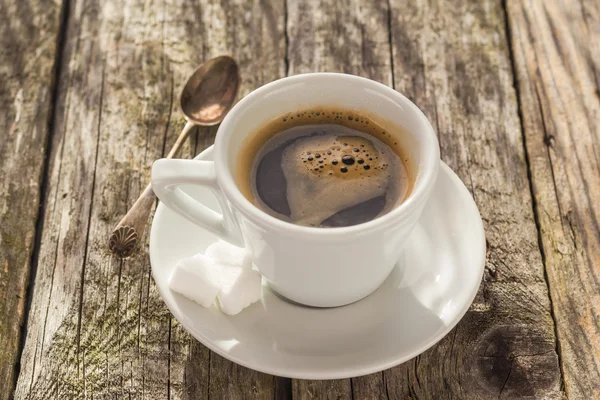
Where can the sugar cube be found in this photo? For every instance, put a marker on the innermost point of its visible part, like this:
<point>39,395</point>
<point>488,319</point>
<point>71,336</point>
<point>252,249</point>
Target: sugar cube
<point>226,253</point>
<point>197,278</point>
<point>240,287</point>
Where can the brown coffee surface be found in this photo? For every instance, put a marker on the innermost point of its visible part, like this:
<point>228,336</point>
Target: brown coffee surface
<point>323,169</point>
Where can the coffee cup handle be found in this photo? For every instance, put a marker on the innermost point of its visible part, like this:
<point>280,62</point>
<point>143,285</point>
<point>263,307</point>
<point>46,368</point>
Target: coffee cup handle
<point>167,177</point>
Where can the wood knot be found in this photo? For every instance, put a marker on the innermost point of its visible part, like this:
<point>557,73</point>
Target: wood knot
<point>123,241</point>
<point>515,362</point>
<point>549,140</point>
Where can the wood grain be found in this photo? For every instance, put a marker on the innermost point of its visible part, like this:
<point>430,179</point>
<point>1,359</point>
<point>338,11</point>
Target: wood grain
<point>557,61</point>
<point>349,36</point>
<point>452,59</point>
<point>88,310</point>
<point>97,326</point>
<point>28,53</point>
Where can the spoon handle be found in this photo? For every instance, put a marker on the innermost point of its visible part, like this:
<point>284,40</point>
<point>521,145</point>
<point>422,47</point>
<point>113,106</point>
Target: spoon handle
<point>125,237</point>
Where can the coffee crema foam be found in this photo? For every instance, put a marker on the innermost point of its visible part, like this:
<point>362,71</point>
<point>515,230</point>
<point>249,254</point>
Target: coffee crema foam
<point>323,168</point>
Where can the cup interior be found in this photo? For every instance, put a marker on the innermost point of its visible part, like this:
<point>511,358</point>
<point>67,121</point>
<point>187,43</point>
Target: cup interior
<point>348,92</point>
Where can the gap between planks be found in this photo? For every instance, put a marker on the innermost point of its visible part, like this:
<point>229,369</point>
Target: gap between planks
<point>534,204</point>
<point>34,262</point>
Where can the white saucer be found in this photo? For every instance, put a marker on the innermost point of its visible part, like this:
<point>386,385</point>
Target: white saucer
<point>416,306</point>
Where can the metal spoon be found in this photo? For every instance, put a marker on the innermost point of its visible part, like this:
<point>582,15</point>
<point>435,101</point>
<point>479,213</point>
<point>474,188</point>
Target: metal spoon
<point>206,98</point>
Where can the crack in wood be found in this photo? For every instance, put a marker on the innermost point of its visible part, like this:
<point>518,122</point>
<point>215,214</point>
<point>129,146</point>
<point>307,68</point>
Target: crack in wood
<point>531,181</point>
<point>21,319</point>
<point>506,380</point>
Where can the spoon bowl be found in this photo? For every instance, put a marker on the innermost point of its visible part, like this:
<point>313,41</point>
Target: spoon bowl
<point>211,91</point>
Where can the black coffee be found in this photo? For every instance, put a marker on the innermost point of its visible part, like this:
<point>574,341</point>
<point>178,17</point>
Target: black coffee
<point>323,169</point>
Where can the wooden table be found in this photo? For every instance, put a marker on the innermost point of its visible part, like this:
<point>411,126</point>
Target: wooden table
<point>88,100</point>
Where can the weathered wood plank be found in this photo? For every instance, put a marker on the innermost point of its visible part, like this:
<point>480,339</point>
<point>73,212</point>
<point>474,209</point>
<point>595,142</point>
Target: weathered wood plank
<point>332,390</point>
<point>98,327</point>
<point>369,387</point>
<point>253,33</point>
<point>113,107</point>
<point>188,368</point>
<point>350,36</point>
<point>557,59</point>
<point>29,33</point>
<point>123,345</point>
<point>452,59</point>
<point>231,381</point>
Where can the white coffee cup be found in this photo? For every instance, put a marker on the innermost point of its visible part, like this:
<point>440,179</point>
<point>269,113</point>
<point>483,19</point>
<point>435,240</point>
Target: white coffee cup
<point>321,267</point>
